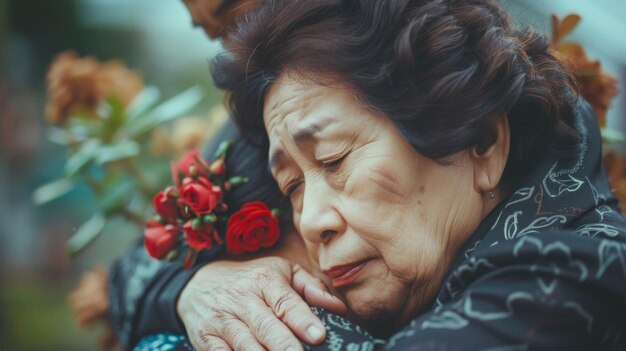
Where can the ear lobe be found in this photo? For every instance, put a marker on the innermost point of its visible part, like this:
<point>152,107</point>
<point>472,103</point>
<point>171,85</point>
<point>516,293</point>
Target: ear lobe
<point>489,158</point>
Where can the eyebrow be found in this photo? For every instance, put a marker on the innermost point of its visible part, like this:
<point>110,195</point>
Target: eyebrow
<point>308,133</point>
<point>276,157</point>
<point>303,135</point>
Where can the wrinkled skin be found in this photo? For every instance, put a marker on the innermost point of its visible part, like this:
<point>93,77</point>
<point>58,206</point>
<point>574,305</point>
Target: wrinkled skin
<point>254,305</point>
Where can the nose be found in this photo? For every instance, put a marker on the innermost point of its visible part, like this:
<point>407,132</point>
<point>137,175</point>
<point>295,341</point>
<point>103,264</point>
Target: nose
<point>320,218</point>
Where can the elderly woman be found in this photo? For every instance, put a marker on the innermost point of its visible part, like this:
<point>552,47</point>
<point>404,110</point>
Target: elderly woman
<point>441,173</point>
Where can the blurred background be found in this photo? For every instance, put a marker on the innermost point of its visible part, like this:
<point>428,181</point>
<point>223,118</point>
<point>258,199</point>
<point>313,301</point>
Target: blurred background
<point>157,39</point>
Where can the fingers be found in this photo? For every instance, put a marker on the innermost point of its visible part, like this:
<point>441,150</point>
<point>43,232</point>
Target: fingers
<point>217,344</point>
<point>289,307</point>
<point>271,331</point>
<point>212,343</point>
<point>248,306</point>
<point>239,336</point>
<point>233,335</point>
<point>315,291</point>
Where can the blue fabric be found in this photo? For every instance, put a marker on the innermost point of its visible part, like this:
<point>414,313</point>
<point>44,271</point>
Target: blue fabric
<point>163,342</point>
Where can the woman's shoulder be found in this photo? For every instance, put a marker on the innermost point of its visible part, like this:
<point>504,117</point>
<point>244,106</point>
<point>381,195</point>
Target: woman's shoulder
<point>590,258</point>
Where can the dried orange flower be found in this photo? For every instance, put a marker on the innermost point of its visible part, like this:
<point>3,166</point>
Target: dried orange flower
<point>89,302</point>
<point>595,85</point>
<point>76,85</point>
<point>187,133</point>
<point>616,172</point>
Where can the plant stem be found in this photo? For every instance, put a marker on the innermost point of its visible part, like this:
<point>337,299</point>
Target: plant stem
<point>93,185</point>
<point>131,216</point>
<point>142,182</point>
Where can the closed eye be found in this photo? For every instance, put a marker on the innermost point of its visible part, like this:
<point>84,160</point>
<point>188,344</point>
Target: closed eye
<point>333,165</point>
<point>291,188</point>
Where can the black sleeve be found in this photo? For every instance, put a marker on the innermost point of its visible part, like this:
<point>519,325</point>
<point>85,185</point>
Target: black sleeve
<point>143,293</point>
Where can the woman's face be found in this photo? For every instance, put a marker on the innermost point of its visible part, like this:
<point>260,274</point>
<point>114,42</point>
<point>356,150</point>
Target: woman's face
<point>382,221</point>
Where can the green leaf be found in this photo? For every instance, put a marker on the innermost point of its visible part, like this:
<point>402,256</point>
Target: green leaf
<point>88,150</point>
<point>276,213</point>
<point>85,127</point>
<point>196,223</point>
<point>169,110</point>
<point>116,152</point>
<point>236,180</point>
<point>51,191</point>
<point>62,136</point>
<point>105,109</point>
<point>146,99</point>
<point>210,218</point>
<point>222,149</point>
<point>173,255</point>
<point>86,233</point>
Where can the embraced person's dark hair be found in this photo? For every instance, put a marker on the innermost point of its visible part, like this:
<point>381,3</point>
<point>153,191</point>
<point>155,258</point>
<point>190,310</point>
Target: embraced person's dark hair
<point>443,71</point>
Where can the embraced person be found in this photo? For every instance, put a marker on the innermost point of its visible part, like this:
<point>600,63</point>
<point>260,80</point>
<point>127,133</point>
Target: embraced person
<point>442,174</point>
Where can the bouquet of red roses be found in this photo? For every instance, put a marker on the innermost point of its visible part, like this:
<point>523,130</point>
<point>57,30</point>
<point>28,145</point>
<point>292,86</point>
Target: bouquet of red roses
<point>187,213</point>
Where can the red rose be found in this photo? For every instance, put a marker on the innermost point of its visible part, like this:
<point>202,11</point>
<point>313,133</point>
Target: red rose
<point>166,206</point>
<point>202,237</point>
<point>251,228</point>
<point>200,195</point>
<point>191,159</point>
<point>159,239</point>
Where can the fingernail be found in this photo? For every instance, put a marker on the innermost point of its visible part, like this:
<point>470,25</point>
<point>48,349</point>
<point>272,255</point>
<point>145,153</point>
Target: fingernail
<point>331,295</point>
<point>314,332</point>
<point>291,348</point>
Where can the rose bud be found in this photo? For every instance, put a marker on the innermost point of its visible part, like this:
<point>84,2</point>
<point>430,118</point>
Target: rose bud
<point>200,195</point>
<point>217,167</point>
<point>193,158</point>
<point>251,228</point>
<point>166,206</point>
<point>159,239</point>
<point>201,237</point>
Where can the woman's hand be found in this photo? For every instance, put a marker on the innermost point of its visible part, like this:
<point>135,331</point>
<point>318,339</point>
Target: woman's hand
<point>254,305</point>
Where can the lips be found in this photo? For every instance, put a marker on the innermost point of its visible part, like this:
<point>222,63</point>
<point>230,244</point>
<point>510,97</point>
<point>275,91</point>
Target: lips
<point>345,274</point>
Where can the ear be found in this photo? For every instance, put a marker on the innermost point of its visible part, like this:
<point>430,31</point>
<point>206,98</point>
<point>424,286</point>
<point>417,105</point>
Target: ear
<point>489,158</point>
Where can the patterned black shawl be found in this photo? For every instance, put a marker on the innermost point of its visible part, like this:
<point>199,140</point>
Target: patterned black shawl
<point>546,270</point>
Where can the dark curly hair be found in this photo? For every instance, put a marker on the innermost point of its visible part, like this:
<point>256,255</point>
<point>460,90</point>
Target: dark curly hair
<point>444,71</point>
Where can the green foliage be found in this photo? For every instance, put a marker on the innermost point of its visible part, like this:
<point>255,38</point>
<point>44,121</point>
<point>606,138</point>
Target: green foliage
<point>86,233</point>
<point>105,150</point>
<point>167,111</point>
<point>52,190</point>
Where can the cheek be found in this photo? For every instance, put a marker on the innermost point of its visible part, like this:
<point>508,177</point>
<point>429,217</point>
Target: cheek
<point>376,203</point>
<point>374,184</point>
<point>311,248</point>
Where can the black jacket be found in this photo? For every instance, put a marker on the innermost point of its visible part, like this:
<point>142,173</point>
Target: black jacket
<point>545,270</point>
